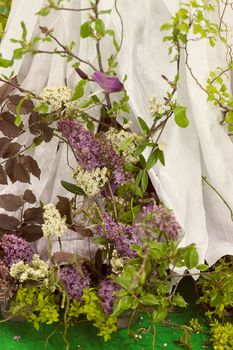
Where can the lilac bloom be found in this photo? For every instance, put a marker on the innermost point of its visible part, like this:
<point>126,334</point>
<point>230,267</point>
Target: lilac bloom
<point>108,84</point>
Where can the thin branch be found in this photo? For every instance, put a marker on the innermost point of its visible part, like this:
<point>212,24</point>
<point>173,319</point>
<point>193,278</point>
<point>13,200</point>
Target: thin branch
<point>71,9</point>
<point>20,88</point>
<point>214,189</point>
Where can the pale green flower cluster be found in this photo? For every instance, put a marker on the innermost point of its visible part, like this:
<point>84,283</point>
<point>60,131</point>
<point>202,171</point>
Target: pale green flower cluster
<point>36,270</point>
<point>125,142</point>
<point>71,108</point>
<point>90,181</point>
<point>156,106</point>
<point>117,263</point>
<point>53,224</point>
<point>56,96</point>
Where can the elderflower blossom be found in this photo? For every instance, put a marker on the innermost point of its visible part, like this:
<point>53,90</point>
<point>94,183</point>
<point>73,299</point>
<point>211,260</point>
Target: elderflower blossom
<point>56,96</point>
<point>72,108</point>
<point>90,181</point>
<point>54,224</point>
<point>116,263</point>
<point>156,106</point>
<point>36,270</point>
<point>125,142</point>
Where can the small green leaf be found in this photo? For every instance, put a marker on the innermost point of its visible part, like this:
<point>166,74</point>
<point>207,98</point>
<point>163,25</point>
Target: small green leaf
<point>144,181</point>
<point>99,26</point>
<point>153,157</point>
<point>149,299</point>
<point>143,125</point>
<point>79,90</point>
<point>73,188</point>
<point>85,30</point>
<point>125,303</point>
<point>178,300</point>
<point>44,11</point>
<point>202,267</point>
<point>181,117</point>
<point>159,315</point>
<point>42,108</point>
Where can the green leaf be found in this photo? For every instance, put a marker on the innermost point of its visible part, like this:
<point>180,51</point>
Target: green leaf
<point>159,315</point>
<point>144,181</point>
<point>161,157</point>
<point>103,12</point>
<point>85,30</point>
<point>181,117</point>
<point>149,299</point>
<point>44,11</point>
<point>143,125</point>
<point>99,26</point>
<point>178,300</point>
<point>202,267</point>
<point>191,257</point>
<point>79,90</point>
<point>5,63</point>
<point>73,188</point>
<point>166,26</point>
<point>153,157</point>
<point>42,108</point>
<point>125,303</point>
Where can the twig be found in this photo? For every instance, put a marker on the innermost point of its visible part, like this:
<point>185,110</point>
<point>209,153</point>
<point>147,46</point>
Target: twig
<point>214,189</point>
<point>20,88</point>
<point>71,9</point>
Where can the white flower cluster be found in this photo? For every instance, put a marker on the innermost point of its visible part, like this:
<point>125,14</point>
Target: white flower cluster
<point>56,96</point>
<point>36,270</point>
<point>125,142</point>
<point>53,224</point>
<point>90,181</point>
<point>71,108</point>
<point>156,105</point>
<point>116,263</point>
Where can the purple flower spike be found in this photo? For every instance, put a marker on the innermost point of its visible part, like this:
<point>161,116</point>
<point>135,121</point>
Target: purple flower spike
<point>108,84</point>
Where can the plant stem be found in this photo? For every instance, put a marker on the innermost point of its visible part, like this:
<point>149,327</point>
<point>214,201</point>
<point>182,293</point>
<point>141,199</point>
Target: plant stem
<point>214,189</point>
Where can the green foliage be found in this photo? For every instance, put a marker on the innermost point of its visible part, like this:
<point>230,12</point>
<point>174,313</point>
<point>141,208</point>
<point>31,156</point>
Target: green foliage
<point>36,305</point>
<point>91,308</point>
<point>5,6</point>
<point>217,289</point>
<point>222,335</point>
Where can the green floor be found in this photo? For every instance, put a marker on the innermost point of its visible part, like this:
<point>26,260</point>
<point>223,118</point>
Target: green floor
<point>84,337</point>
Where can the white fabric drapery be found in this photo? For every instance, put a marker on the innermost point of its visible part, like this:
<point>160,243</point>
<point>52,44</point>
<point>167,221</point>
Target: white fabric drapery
<point>202,149</point>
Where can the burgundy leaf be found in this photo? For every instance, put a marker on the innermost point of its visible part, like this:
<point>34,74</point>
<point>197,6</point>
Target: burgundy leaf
<point>26,107</point>
<point>6,89</point>
<point>29,197</point>
<point>3,176</point>
<point>9,130</point>
<point>12,150</point>
<point>31,166</point>
<point>64,208</point>
<point>31,232</point>
<point>47,132</point>
<point>4,143</point>
<point>17,171</point>
<point>34,121</point>
<point>8,222</point>
<point>85,232</point>
<point>33,216</point>
<point>10,202</point>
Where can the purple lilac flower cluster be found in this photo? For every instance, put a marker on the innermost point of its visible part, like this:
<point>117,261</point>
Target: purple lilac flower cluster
<point>88,150</point>
<point>6,285</point>
<point>92,152</point>
<point>74,281</point>
<point>163,219</point>
<point>16,249</point>
<point>106,293</point>
<point>122,236</point>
